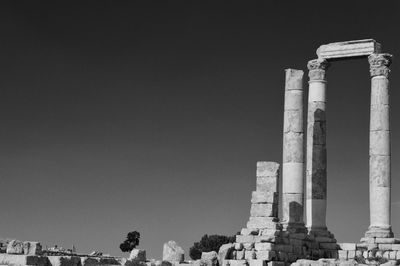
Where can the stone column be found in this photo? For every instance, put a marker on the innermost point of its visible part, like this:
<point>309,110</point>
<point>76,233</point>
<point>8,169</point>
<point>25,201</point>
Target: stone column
<point>379,148</point>
<point>293,158</point>
<point>316,146</point>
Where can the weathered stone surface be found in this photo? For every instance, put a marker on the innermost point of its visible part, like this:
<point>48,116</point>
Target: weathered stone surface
<point>255,262</point>
<point>292,177</point>
<point>237,262</point>
<point>347,246</point>
<point>265,169</point>
<point>293,100</point>
<point>138,255</point>
<point>293,121</point>
<point>32,248</point>
<point>225,252</point>
<point>267,184</point>
<point>293,212</point>
<point>379,91</point>
<point>248,246</point>
<point>209,258</point>
<point>264,246</point>
<point>379,142</point>
<point>240,255</point>
<point>293,79</point>
<point>64,260</point>
<point>265,255</point>
<point>379,117</point>
<point>264,197</point>
<point>293,147</point>
<point>264,210</point>
<point>263,222</point>
<point>173,252</point>
<point>379,65</point>
<point>245,238</point>
<point>15,247</point>
<point>379,167</point>
<point>348,49</point>
<point>248,231</point>
<point>386,240</point>
<point>249,254</point>
<point>23,260</point>
<point>238,246</point>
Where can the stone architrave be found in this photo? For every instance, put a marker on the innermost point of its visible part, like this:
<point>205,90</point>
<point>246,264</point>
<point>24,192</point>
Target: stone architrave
<point>316,172</point>
<point>379,148</point>
<point>348,49</point>
<point>293,155</point>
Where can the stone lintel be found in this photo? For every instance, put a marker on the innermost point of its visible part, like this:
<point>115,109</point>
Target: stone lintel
<point>348,49</point>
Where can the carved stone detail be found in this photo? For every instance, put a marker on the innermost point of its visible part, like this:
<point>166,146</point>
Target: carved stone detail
<point>379,64</point>
<point>317,68</point>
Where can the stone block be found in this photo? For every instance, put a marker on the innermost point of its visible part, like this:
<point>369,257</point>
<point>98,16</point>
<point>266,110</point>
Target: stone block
<point>395,246</point>
<point>292,147</point>
<point>264,210</point>
<point>240,254</point>
<point>292,207</point>
<point>173,252</point>
<point>385,247</point>
<point>249,254</point>
<point>393,255</point>
<point>293,121</point>
<point>245,239</point>
<point>300,236</point>
<point>266,238</point>
<point>265,255</point>
<point>255,262</point>
<point>238,246</point>
<point>267,184</point>
<point>380,240</point>
<point>265,169</point>
<point>276,263</point>
<point>210,258</point>
<point>15,247</point>
<point>32,248</point>
<point>351,254</point>
<point>343,254</point>
<point>225,252</point>
<point>328,245</point>
<point>264,197</point>
<point>263,222</point>
<point>348,49</point>
<point>237,262</point>
<point>296,242</point>
<point>284,248</point>
<point>64,260</point>
<point>281,256</point>
<point>270,232</point>
<point>248,246</point>
<point>137,255</point>
<point>264,246</point>
<point>248,231</point>
<point>347,246</point>
<point>23,260</point>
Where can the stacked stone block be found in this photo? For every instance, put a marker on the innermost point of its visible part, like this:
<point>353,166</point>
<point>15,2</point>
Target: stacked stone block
<point>264,241</point>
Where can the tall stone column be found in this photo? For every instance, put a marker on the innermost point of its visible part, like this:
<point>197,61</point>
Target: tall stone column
<point>379,148</point>
<point>293,158</point>
<point>316,177</point>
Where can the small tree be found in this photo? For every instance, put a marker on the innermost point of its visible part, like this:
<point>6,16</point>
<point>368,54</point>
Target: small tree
<point>209,243</point>
<point>131,241</point>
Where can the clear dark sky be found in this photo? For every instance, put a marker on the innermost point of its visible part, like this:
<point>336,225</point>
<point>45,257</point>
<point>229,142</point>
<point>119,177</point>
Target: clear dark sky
<point>151,115</point>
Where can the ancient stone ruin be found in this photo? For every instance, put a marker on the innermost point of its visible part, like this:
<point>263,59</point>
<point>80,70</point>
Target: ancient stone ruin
<point>266,239</point>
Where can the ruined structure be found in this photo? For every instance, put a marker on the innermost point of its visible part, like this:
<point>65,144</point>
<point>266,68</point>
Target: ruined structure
<point>268,240</point>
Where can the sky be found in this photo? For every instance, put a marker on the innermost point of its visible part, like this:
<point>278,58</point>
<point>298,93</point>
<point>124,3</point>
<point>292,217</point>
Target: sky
<point>151,115</point>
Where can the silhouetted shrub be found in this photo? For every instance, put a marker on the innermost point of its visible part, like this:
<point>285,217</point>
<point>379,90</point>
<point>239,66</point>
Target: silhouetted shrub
<point>209,243</point>
<point>131,241</point>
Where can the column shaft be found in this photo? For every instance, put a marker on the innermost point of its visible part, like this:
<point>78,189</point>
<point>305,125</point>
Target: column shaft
<point>379,148</point>
<point>293,158</point>
<point>316,170</point>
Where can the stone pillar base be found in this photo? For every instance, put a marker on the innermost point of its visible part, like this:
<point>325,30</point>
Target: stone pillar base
<point>294,228</point>
<point>380,232</point>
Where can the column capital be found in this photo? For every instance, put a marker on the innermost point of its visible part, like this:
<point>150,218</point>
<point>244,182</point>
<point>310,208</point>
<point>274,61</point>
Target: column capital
<point>379,64</point>
<point>317,68</point>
